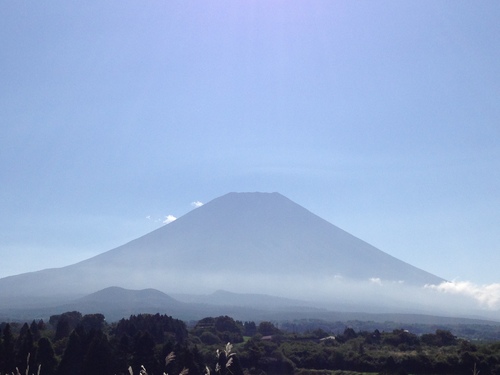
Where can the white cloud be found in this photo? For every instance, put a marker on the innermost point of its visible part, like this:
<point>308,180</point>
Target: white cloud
<point>376,280</point>
<point>487,295</point>
<point>169,219</point>
<point>196,204</point>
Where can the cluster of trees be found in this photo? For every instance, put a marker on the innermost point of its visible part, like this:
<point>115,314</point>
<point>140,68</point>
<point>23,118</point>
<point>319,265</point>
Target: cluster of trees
<point>72,343</point>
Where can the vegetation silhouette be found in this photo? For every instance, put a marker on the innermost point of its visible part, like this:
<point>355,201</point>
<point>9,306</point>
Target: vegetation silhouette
<point>160,344</point>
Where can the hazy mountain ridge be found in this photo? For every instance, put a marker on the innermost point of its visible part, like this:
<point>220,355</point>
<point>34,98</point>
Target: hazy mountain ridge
<point>116,303</point>
<point>256,243</point>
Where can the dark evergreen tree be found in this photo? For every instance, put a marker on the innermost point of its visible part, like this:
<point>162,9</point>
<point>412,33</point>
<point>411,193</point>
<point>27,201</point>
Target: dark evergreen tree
<point>65,323</point>
<point>210,338</point>
<point>45,357</point>
<point>199,365</point>
<point>72,359</point>
<point>20,337</point>
<point>35,331</point>
<point>123,354</point>
<point>440,338</point>
<point>185,357</point>
<point>63,329</point>
<point>267,328</point>
<point>226,323</point>
<point>74,318</point>
<point>25,355</point>
<point>99,359</point>
<point>93,322</point>
<point>8,360</point>
<point>2,355</point>
<point>41,325</point>
<point>143,355</point>
<point>228,329</point>
<point>348,334</point>
<point>250,329</point>
<point>158,326</point>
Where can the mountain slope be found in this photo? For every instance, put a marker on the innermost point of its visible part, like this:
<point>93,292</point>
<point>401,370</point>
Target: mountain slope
<point>244,242</point>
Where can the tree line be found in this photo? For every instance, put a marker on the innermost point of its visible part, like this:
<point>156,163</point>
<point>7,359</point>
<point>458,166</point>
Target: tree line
<point>76,344</point>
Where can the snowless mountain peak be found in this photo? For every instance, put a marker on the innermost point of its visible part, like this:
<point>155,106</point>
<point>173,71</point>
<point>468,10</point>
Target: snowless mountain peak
<point>241,242</point>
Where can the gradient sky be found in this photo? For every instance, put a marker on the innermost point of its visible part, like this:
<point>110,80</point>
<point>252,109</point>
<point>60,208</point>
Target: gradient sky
<point>382,117</point>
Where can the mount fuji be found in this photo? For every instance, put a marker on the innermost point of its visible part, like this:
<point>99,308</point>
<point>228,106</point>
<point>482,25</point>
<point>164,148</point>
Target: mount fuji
<point>241,242</point>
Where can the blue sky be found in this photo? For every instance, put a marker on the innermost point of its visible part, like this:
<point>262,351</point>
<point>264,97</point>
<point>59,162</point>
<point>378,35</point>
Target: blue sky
<point>382,117</point>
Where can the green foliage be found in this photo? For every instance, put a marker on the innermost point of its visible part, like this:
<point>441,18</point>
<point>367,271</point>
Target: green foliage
<point>267,329</point>
<point>249,329</point>
<point>160,327</point>
<point>92,321</point>
<point>402,339</point>
<point>209,338</point>
<point>226,329</point>
<point>96,347</point>
<point>440,338</point>
<point>65,323</point>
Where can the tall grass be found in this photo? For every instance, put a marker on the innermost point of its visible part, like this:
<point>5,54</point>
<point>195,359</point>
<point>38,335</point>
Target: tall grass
<point>228,355</point>
<point>168,359</point>
<point>28,367</point>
